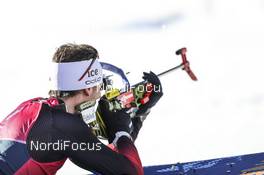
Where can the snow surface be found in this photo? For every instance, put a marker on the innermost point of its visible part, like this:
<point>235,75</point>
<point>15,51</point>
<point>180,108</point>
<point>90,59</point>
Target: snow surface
<point>220,115</point>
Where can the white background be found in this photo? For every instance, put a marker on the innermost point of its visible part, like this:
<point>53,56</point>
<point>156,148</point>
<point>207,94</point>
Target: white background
<point>220,115</point>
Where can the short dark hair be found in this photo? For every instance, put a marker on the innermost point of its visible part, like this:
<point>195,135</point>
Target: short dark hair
<point>72,53</point>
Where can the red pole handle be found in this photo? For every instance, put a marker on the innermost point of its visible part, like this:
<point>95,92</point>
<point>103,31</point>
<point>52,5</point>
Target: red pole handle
<point>185,63</point>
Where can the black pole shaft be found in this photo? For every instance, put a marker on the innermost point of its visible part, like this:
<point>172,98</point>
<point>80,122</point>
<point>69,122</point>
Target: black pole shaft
<point>161,74</point>
<point>170,70</point>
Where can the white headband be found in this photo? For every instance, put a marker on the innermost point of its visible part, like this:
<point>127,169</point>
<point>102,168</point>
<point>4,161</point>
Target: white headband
<point>75,75</point>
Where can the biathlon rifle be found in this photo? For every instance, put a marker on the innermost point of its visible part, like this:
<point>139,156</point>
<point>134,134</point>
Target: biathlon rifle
<point>131,98</point>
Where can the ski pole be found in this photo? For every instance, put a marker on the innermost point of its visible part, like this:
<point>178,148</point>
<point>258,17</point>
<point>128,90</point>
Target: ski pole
<point>185,65</point>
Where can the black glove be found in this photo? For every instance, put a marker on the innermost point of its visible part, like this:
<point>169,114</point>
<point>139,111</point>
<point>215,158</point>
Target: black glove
<point>114,121</point>
<point>154,97</point>
<point>144,109</point>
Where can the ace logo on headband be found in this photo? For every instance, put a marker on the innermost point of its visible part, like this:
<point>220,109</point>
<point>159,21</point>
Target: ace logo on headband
<point>90,73</point>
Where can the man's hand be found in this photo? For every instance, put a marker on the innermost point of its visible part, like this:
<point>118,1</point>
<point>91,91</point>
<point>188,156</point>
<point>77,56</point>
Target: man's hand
<point>116,122</point>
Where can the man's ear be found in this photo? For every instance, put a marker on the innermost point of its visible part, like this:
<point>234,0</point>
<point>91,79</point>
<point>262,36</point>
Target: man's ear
<point>87,91</point>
